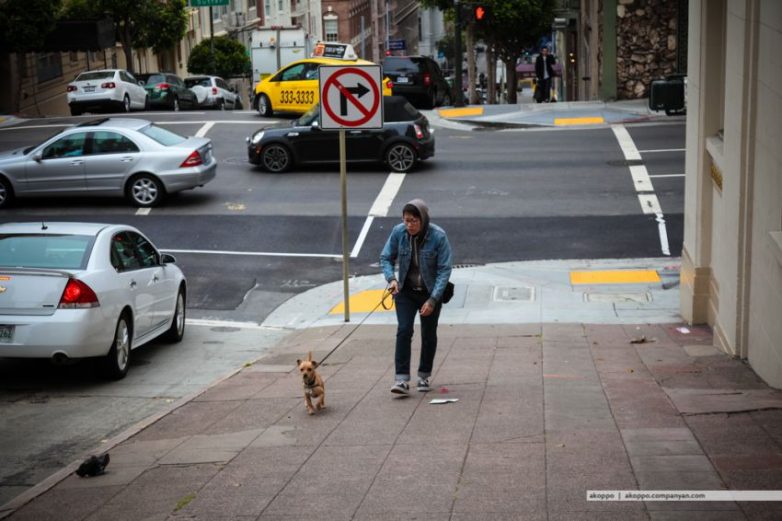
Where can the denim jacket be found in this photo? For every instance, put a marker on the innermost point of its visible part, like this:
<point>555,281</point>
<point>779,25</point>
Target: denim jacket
<point>435,256</point>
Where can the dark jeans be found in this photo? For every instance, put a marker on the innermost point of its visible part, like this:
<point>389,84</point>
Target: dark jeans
<point>408,302</point>
<point>545,90</point>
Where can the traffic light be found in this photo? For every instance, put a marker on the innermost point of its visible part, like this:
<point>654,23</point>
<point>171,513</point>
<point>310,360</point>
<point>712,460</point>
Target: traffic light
<point>480,14</point>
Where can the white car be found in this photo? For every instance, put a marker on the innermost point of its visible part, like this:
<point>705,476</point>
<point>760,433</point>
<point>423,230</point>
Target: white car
<point>77,290</point>
<point>214,92</point>
<point>114,89</point>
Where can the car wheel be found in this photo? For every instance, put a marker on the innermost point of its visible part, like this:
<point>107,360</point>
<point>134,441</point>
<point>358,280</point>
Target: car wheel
<point>265,106</point>
<point>115,364</point>
<point>177,329</point>
<point>175,104</point>
<point>147,103</point>
<point>221,104</point>
<point>400,157</point>
<point>276,158</point>
<point>6,193</point>
<point>126,103</point>
<point>145,190</point>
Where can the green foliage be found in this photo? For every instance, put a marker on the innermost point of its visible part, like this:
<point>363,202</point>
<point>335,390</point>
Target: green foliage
<point>24,24</point>
<point>166,29</point>
<point>517,24</point>
<point>230,58</point>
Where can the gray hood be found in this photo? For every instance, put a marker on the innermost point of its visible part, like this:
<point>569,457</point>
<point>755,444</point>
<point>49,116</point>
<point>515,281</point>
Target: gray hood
<point>424,211</point>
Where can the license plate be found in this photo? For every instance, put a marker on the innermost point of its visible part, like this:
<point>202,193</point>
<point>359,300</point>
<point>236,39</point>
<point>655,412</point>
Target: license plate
<point>401,79</point>
<point>6,334</point>
<point>89,89</point>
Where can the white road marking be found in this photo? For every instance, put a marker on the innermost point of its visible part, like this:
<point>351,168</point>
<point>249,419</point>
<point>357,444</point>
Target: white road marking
<point>53,125</point>
<point>143,211</point>
<point>227,323</point>
<point>204,129</point>
<point>662,150</point>
<point>362,236</point>
<point>387,194</point>
<point>643,184</point>
<point>256,253</point>
<point>666,175</point>
<point>260,123</point>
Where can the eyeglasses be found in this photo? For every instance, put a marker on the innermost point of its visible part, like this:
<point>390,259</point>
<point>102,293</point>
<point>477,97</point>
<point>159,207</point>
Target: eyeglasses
<point>412,221</point>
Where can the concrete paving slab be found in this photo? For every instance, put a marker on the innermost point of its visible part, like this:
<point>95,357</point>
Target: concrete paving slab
<point>700,401</point>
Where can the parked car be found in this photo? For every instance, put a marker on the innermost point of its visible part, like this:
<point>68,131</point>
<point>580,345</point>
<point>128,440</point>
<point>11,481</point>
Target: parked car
<point>295,87</point>
<point>168,91</point>
<point>214,92</point>
<point>404,140</point>
<point>114,89</point>
<point>419,79</point>
<point>78,290</point>
<point>109,157</point>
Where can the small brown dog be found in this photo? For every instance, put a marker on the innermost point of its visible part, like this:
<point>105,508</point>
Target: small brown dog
<point>313,384</point>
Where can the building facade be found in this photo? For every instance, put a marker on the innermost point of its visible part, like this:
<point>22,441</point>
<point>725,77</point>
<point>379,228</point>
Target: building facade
<point>731,274</point>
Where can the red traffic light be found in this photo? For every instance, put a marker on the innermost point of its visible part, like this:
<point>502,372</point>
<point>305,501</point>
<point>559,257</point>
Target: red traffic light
<point>480,13</point>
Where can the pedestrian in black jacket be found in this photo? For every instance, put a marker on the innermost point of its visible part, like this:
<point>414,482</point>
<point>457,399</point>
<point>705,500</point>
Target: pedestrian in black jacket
<point>544,71</point>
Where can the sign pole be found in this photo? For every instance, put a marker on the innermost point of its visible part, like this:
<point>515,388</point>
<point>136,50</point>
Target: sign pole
<point>343,176</point>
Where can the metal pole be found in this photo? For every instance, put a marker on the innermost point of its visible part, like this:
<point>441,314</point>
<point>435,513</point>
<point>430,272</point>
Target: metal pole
<point>212,39</point>
<point>458,100</point>
<point>345,255</point>
<point>363,40</point>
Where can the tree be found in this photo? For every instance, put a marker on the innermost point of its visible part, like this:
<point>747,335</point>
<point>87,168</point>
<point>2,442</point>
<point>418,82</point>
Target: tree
<point>24,24</point>
<point>230,58</point>
<point>159,24</point>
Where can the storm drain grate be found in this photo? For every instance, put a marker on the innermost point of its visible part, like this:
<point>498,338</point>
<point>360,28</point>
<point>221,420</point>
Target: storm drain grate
<point>514,294</point>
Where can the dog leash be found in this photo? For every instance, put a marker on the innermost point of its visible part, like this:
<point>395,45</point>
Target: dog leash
<point>383,298</point>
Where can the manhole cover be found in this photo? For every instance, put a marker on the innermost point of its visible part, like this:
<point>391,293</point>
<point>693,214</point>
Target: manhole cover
<point>514,293</point>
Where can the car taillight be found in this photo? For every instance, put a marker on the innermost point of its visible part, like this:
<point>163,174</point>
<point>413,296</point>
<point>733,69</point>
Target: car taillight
<point>214,91</point>
<point>193,159</point>
<point>163,86</point>
<point>390,84</point>
<point>419,133</point>
<point>427,79</point>
<point>108,85</point>
<point>77,294</point>
<point>72,88</point>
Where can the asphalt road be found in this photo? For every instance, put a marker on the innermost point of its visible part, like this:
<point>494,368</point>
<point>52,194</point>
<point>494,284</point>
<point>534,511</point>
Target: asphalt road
<point>250,240</point>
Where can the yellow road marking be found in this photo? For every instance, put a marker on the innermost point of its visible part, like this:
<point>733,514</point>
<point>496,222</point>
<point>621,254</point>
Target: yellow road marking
<point>364,302</point>
<point>614,277</point>
<point>455,113</point>
<point>579,121</point>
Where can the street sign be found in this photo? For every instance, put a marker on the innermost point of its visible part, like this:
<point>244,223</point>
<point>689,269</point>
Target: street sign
<point>351,97</point>
<point>396,45</point>
<point>208,3</point>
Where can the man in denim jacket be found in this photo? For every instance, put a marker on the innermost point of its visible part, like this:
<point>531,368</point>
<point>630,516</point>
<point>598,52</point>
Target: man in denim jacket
<point>423,253</point>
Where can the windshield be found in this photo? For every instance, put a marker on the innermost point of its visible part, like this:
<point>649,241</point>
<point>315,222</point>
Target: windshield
<point>96,75</point>
<point>154,79</point>
<point>163,136</point>
<point>308,117</point>
<point>197,82</point>
<point>70,252</point>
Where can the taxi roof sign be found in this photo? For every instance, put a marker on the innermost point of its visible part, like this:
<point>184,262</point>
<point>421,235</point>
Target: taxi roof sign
<point>339,51</point>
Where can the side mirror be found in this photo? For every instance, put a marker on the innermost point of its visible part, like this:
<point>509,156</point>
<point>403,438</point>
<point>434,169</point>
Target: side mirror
<point>141,82</point>
<point>37,157</point>
<point>167,258</point>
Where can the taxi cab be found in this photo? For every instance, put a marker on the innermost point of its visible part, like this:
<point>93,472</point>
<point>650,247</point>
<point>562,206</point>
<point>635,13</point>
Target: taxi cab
<point>294,88</point>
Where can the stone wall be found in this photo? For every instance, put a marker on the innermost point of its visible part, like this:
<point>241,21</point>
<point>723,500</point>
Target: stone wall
<point>645,44</point>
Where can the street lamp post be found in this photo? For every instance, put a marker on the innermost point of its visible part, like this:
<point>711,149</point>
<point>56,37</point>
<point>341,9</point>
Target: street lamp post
<point>458,100</point>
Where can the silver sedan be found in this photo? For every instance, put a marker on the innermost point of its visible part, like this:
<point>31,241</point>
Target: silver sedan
<point>77,290</point>
<point>109,157</point>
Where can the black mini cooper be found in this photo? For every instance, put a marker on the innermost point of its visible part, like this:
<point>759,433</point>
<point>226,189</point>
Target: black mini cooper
<point>404,140</point>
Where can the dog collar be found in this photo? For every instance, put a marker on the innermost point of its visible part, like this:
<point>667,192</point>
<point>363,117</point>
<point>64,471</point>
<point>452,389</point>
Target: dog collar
<point>311,383</point>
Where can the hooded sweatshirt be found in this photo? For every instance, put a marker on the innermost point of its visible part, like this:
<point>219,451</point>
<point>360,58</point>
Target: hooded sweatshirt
<point>414,278</point>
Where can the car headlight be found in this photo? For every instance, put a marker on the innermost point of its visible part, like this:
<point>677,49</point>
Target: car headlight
<point>257,138</point>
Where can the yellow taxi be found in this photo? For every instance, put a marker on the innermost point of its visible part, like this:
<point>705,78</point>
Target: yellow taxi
<point>294,88</point>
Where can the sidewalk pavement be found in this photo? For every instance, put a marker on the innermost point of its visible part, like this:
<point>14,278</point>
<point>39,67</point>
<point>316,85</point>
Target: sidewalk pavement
<point>569,376</point>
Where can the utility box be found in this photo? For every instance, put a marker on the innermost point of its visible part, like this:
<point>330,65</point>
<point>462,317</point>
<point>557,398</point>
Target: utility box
<point>669,95</point>
<point>273,48</point>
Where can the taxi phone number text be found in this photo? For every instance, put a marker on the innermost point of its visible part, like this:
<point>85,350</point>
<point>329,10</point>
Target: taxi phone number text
<point>297,96</point>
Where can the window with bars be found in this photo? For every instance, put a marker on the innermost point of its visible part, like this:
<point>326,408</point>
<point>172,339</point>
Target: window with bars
<point>331,28</point>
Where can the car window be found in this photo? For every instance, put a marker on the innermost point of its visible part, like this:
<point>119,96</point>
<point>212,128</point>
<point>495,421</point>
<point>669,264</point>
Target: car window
<point>192,82</point>
<point>105,142</point>
<point>95,75</point>
<point>221,84</point>
<point>71,145</point>
<point>292,73</point>
<point>311,72</point>
<point>154,79</point>
<point>163,136</point>
<point>308,117</point>
<point>39,250</point>
<point>123,255</point>
<point>399,65</point>
<point>126,77</point>
<point>147,254</point>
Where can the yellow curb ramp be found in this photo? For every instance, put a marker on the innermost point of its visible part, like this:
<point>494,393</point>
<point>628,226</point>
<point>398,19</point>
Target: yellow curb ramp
<point>457,113</point>
<point>614,277</point>
<point>364,302</point>
<point>562,122</point>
